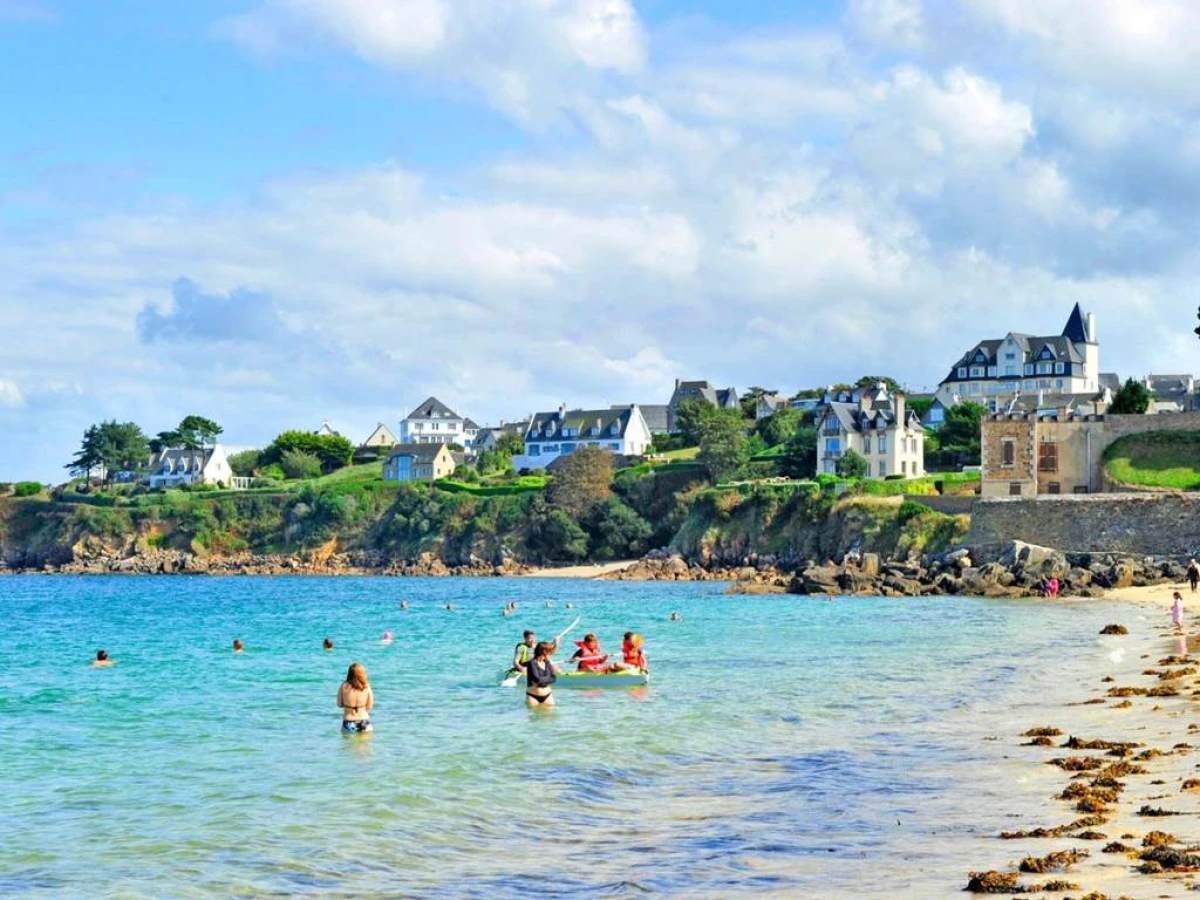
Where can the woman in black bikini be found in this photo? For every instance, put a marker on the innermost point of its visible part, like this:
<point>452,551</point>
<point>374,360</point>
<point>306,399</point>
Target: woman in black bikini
<point>540,674</point>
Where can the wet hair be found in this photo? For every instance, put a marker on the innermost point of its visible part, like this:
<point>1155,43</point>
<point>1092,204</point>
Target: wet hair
<point>529,634</point>
<point>589,638</point>
<point>101,655</point>
<point>237,644</point>
<point>328,645</point>
<point>628,635</point>
<point>543,649</point>
<point>356,676</point>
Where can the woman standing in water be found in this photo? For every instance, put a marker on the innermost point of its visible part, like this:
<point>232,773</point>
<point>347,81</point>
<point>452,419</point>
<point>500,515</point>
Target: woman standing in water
<point>540,675</point>
<point>356,700</point>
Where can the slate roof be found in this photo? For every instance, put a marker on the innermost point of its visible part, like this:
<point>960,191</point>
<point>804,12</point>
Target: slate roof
<point>469,425</point>
<point>655,415</point>
<point>432,408</point>
<point>1065,347</point>
<point>1110,380</point>
<point>725,398</point>
<point>1076,329</point>
<point>550,426</point>
<point>1087,403</point>
<point>878,414</point>
<point>171,460</point>
<point>425,453</point>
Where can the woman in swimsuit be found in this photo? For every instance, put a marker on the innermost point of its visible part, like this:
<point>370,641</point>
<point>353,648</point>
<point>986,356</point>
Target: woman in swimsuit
<point>356,700</point>
<point>540,674</point>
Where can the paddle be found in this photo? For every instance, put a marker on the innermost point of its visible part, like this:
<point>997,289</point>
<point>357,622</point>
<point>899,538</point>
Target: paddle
<point>511,680</point>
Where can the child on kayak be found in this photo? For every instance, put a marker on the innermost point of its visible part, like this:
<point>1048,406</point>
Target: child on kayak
<point>589,655</point>
<point>523,653</point>
<point>632,656</point>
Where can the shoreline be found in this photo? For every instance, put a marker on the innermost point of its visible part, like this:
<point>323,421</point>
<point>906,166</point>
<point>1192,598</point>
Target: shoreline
<point>1121,807</point>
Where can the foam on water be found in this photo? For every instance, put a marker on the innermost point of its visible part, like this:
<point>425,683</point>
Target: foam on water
<point>786,746</point>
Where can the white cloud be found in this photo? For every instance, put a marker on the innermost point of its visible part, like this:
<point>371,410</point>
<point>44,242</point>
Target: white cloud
<point>889,23</point>
<point>10,394</point>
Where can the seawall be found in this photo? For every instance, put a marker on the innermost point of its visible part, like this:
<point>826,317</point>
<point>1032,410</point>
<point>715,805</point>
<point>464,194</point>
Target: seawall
<point>1166,524</point>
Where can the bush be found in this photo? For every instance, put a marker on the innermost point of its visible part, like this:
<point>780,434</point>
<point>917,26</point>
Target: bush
<point>27,488</point>
<point>298,464</point>
<point>909,511</point>
<point>244,463</point>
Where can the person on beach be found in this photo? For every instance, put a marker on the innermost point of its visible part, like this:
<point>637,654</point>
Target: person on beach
<point>1193,574</point>
<point>1177,611</point>
<point>632,657</point>
<point>1054,588</point>
<point>356,700</point>
<point>589,656</point>
<point>327,645</point>
<point>1044,587</point>
<point>540,675</point>
<point>102,659</point>
<point>523,653</point>
<point>238,646</point>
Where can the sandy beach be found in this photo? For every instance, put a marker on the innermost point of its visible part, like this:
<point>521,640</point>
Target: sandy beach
<point>595,570</point>
<point>1116,766</point>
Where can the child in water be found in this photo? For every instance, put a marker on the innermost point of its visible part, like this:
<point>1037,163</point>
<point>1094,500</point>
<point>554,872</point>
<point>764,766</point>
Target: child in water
<point>1177,611</point>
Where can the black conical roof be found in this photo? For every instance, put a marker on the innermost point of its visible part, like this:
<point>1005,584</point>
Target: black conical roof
<point>1076,330</point>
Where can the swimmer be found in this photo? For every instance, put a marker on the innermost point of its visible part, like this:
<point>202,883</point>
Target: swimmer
<point>506,611</point>
<point>450,607</point>
<point>387,637</point>
<point>238,646</point>
<point>540,675</point>
<point>102,659</point>
<point>570,606</point>
<point>327,645</point>
<point>356,700</point>
<point>675,617</point>
<point>404,604</point>
<point>549,604</point>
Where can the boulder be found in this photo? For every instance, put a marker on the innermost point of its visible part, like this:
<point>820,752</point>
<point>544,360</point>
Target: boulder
<point>869,564</point>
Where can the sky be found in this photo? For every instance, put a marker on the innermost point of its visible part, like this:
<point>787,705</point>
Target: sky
<point>276,213</point>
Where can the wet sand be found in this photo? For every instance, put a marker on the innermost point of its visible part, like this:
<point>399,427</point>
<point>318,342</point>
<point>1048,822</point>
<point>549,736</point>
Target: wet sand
<point>589,571</point>
<point>1128,770</point>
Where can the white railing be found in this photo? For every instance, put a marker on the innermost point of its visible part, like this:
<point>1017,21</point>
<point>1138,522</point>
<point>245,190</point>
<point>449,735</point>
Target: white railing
<point>240,483</point>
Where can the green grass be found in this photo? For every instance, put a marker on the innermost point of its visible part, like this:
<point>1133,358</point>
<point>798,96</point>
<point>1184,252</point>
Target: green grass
<point>526,484</point>
<point>1158,459</point>
<point>677,455</point>
<point>365,473</point>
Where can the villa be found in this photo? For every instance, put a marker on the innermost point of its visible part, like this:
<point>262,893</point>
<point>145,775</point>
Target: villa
<point>433,422</point>
<point>621,431</point>
<point>721,398</point>
<point>878,426</point>
<point>181,466</point>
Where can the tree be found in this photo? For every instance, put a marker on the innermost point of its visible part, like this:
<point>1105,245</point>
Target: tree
<point>616,530</point>
<point>1132,399</point>
<point>197,431</point>
<point>164,440</point>
<point>868,381</point>
<point>690,419</point>
<point>799,457</point>
<point>581,480</point>
<point>333,450</point>
<point>244,462</point>
<point>723,444</point>
<point>88,457</point>
<point>749,400</point>
<point>958,440</point>
<point>298,464</point>
<point>777,429</point>
<point>554,535</point>
<point>510,443</point>
<point>851,465</point>
<point>123,447</point>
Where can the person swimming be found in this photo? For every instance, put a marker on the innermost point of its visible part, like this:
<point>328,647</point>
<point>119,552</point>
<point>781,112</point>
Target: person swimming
<point>589,656</point>
<point>540,675</point>
<point>387,638</point>
<point>238,646</point>
<point>327,645</point>
<point>356,700</point>
<point>102,659</point>
<point>450,607</point>
<point>675,617</point>
<point>404,604</point>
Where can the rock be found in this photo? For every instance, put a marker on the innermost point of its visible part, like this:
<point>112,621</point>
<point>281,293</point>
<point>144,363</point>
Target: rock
<point>869,564</point>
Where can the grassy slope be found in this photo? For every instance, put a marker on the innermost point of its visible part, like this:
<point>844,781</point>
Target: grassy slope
<point>1157,459</point>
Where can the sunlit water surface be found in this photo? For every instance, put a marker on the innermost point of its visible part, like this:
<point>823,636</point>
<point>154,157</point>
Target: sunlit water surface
<point>786,746</point>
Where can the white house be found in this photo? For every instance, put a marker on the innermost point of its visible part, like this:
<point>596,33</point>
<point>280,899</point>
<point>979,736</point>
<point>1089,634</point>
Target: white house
<point>877,425</point>
<point>433,422</point>
<point>621,431</point>
<point>180,466</point>
<point>993,370</point>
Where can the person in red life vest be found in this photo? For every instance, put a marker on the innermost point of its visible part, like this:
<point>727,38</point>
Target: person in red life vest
<point>632,656</point>
<point>589,655</point>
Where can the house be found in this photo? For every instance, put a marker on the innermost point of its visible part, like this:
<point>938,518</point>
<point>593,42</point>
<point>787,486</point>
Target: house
<point>379,439</point>
<point>1057,451</point>
<point>487,437</point>
<point>876,424</point>
<point>621,431</point>
<point>433,422</point>
<point>655,415</point>
<point>722,398</point>
<point>327,430</point>
<point>1067,363</point>
<point>1171,393</point>
<point>768,405</point>
<point>419,462</point>
<point>179,466</point>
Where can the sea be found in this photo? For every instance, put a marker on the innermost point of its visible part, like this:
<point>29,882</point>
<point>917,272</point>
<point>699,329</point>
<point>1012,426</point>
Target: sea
<point>785,746</point>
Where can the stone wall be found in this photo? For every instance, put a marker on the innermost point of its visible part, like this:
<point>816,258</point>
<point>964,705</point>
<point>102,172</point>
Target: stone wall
<point>1140,524</point>
<point>998,478</point>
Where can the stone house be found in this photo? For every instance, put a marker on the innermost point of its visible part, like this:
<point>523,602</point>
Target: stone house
<point>621,431</point>
<point>1028,453</point>
<point>721,398</point>
<point>876,424</point>
<point>419,462</point>
<point>179,466</point>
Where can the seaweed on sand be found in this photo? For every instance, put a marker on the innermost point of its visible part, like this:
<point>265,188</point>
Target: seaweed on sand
<point>1040,741</point>
<point>1156,812</point>
<point>1043,731</point>
<point>1077,763</point>
<point>1116,847</point>
<point>993,883</point>
<point>1114,629</point>
<point>1078,743</point>
<point>1158,839</point>
<point>1059,859</point>
<point>1156,859</point>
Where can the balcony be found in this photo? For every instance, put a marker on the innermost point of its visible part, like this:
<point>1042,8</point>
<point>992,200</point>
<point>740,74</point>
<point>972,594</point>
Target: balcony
<point>832,454</point>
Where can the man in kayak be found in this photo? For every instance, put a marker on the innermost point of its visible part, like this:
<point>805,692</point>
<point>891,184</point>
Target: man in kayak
<point>522,654</point>
<point>589,655</point>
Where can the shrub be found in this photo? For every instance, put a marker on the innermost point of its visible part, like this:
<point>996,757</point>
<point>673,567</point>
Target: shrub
<point>298,464</point>
<point>244,463</point>
<point>27,488</point>
<point>909,511</point>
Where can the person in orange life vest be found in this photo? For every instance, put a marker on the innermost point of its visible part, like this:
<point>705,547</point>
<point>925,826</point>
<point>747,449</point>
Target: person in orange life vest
<point>589,655</point>
<point>632,656</point>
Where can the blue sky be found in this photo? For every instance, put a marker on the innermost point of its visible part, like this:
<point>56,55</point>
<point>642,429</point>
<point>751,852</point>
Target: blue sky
<point>279,212</point>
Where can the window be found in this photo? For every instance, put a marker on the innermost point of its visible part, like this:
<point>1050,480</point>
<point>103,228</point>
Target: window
<point>1054,488</point>
<point>1079,489</point>
<point>1014,489</point>
<point>1008,453</point>
<point>868,470</point>
<point>1028,368</point>
<point>1045,368</point>
<point>976,371</point>
<point>831,426</point>
<point>936,414</point>
<point>866,443</point>
<point>962,372</point>
<point>883,470</point>
<point>1059,368</point>
<point>1010,371</point>
<point>1058,383</point>
<point>1047,456</point>
<point>991,371</point>
<point>903,467</point>
<point>883,443</point>
<point>974,389</point>
<point>1028,385</point>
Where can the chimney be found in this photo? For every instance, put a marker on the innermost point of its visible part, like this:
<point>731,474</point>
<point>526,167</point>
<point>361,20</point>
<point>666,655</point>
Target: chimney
<point>898,400</point>
<point>562,409</point>
<point>676,384</point>
<point>1091,328</point>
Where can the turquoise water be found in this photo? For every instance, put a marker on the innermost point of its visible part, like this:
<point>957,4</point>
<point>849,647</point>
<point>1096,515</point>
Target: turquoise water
<point>786,746</point>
